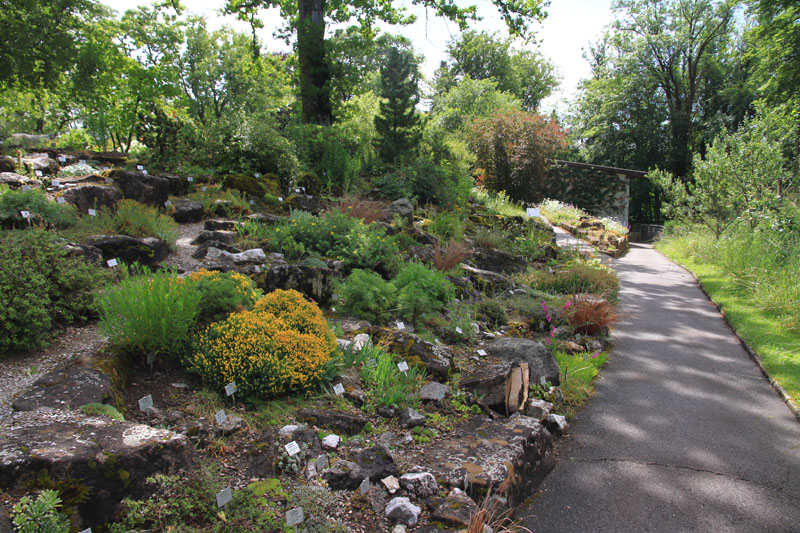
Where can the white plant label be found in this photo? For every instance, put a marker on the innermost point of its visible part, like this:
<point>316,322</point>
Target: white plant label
<point>87,530</point>
<point>459,330</point>
<point>190,179</point>
<point>333,309</point>
<point>62,159</point>
<point>146,403</point>
<point>205,189</point>
<point>338,389</point>
<point>482,352</point>
<point>224,497</point>
<point>139,167</point>
<point>322,462</point>
<point>144,172</point>
<point>230,388</point>
<point>167,203</point>
<point>61,200</point>
<point>297,191</point>
<point>400,325</point>
<point>292,448</point>
<point>533,212</point>
<point>364,487</point>
<point>55,183</point>
<point>151,357</point>
<point>294,516</point>
<point>38,173</point>
<point>257,174</point>
<point>112,263</point>
<point>402,366</point>
<point>109,180</point>
<point>81,161</point>
<point>26,188</point>
<point>542,381</point>
<point>25,214</point>
<point>252,202</point>
<point>92,213</point>
<point>280,198</point>
<point>220,417</point>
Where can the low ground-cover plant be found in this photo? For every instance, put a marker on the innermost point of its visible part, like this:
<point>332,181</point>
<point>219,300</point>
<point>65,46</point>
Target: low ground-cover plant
<point>42,515</point>
<point>577,373</point>
<point>102,409</point>
<point>149,313</point>
<point>385,385</point>
<point>42,286</point>
<point>43,212</point>
<point>218,202</point>
<point>367,295</point>
<point>422,291</point>
<point>448,226</point>
<point>497,203</point>
<point>129,218</point>
<point>222,293</point>
<point>576,276</point>
<point>281,346</point>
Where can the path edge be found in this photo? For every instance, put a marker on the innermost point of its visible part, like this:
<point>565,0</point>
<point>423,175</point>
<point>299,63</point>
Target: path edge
<point>787,399</point>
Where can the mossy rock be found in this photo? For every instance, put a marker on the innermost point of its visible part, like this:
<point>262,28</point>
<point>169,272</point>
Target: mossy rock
<point>310,182</point>
<point>245,184</point>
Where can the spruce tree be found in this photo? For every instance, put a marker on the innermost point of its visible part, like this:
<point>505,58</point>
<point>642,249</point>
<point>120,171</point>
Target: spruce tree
<point>398,122</point>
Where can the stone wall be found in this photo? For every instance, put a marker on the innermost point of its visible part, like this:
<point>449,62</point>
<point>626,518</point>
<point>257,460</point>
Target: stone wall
<point>602,194</point>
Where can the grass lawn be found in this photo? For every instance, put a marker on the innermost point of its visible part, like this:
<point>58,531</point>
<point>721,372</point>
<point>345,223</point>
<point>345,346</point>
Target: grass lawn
<point>778,348</point>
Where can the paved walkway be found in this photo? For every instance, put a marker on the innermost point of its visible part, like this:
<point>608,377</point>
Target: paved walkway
<point>683,432</point>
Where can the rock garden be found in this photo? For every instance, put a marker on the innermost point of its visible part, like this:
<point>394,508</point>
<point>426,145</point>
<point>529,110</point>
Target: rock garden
<point>213,353</point>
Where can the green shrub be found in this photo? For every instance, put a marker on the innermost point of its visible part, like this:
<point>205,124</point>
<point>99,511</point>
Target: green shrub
<point>576,277</point>
<point>385,385</point>
<point>40,285</point>
<point>42,211</point>
<point>459,325</point>
<point>102,409</point>
<point>368,296</point>
<point>40,516</point>
<point>149,313</point>
<point>216,202</point>
<point>493,312</point>
<point>422,291</point>
<point>75,139</point>
<point>130,218</point>
<point>447,226</point>
<point>395,185</point>
<point>222,293</point>
<point>283,345</point>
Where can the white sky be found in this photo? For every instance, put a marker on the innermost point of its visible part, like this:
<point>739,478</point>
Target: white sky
<point>569,27</point>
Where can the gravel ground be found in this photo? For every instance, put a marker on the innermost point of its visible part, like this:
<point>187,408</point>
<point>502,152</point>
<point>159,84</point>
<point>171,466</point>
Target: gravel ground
<point>18,372</point>
<point>181,259</point>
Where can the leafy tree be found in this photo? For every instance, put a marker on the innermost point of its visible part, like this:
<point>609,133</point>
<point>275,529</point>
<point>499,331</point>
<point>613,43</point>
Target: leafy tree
<point>738,178</point>
<point>483,56</point>
<point>308,18</point>
<point>513,149</point>
<point>398,123</point>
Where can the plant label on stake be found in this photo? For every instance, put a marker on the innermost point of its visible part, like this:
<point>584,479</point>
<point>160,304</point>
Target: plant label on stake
<point>62,159</point>
<point>151,360</point>
<point>144,172</point>
<point>400,325</point>
<point>533,212</point>
<point>189,179</point>
<point>61,200</point>
<point>92,212</point>
<point>403,367</point>
<point>459,330</point>
<point>112,263</point>
<point>294,517</point>
<point>26,188</point>
<point>542,381</point>
<point>146,404</point>
<point>257,174</point>
<point>167,203</point>
<point>220,417</point>
<point>38,173</point>
<point>230,390</point>
<point>224,497</point>
<point>205,188</point>
<point>482,352</point>
<point>364,487</point>
<point>87,530</point>
<point>280,198</point>
<point>322,462</point>
<point>292,448</point>
<point>139,167</point>
<point>338,389</point>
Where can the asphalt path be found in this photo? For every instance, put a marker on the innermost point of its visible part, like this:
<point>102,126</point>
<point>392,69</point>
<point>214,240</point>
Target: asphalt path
<point>683,432</point>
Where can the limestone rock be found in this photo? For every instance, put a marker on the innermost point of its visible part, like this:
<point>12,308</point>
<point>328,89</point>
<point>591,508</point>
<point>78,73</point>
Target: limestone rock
<point>556,424</point>
<point>15,181</point>
<point>330,442</point>
<point>541,362</point>
<point>344,475</point>
<point>495,260</point>
<point>7,164</point>
<point>42,163</point>
<point>409,418</point>
<point>376,463</point>
<point>185,210</point>
<point>539,409</point>
<point>220,225</point>
<point>488,384</point>
<point>147,251</point>
<point>402,207</point>
<point>421,484</point>
<point>346,423</point>
<point>391,483</point>
<point>314,282</point>
<point>68,387</point>
<point>304,202</point>
<point>112,458</point>
<point>225,237</point>
<point>510,456</point>
<point>288,430</point>
<point>433,391</point>
<point>92,197</point>
<point>454,510</point>
<point>231,425</point>
<point>436,359</point>
<point>400,509</point>
<point>144,188</point>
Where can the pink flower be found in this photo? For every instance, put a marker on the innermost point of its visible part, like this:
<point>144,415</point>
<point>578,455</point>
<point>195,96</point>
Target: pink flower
<point>596,354</point>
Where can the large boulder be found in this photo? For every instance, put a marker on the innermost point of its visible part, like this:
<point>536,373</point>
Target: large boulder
<point>403,208</point>
<point>144,188</point>
<point>314,282</point>
<point>540,359</point>
<point>455,510</point>
<point>510,458</point>
<point>304,202</point>
<point>92,197</point>
<point>148,251</point>
<point>41,162</point>
<point>495,260</point>
<point>110,460</point>
<point>225,237</point>
<point>26,140</point>
<point>436,359</point>
<point>246,262</point>
<point>8,164</point>
<point>15,181</point>
<point>185,210</point>
<point>346,423</point>
<point>68,387</point>
<point>375,463</point>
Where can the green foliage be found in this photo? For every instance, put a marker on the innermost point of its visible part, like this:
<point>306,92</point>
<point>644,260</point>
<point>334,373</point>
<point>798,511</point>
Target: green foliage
<point>738,177</point>
<point>493,312</point>
<point>40,516</point>
<point>460,315</point>
<point>40,286</point>
<point>577,374</point>
<point>222,293</point>
<point>319,506</point>
<point>497,203</point>
<point>149,313</point>
<point>422,291</point>
<point>75,139</point>
<point>576,276</point>
<point>447,226</point>
<point>184,503</point>
<point>385,385</point>
<point>102,409</point>
<point>368,296</point>
<point>513,149</point>
<point>129,218</point>
<point>398,125</point>
<point>218,202</point>
<point>42,211</point>
<point>334,235</point>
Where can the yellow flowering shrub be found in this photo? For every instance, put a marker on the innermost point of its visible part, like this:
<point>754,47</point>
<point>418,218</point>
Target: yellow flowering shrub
<point>222,293</point>
<point>281,346</point>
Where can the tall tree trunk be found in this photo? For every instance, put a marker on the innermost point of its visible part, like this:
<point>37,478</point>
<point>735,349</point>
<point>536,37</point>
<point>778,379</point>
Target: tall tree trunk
<point>315,72</point>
